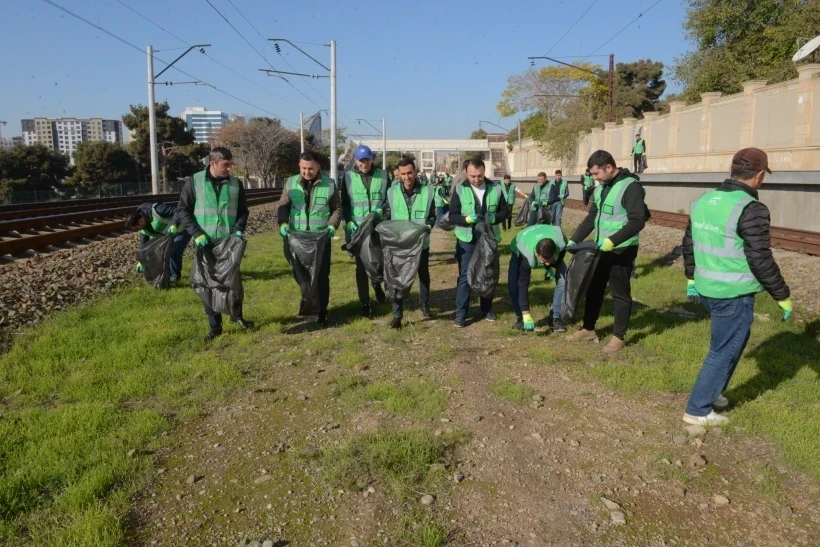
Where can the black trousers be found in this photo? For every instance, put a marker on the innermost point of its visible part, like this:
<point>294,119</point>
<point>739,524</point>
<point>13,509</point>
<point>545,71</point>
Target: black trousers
<point>508,222</point>
<point>363,283</point>
<point>614,269</point>
<point>637,161</point>
<point>215,319</point>
<point>424,285</point>
<point>324,283</point>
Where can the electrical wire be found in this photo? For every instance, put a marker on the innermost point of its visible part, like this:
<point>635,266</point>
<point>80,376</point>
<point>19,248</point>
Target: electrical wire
<point>570,28</point>
<point>641,14</point>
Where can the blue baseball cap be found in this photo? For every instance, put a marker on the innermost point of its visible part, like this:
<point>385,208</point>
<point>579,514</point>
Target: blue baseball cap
<point>363,153</point>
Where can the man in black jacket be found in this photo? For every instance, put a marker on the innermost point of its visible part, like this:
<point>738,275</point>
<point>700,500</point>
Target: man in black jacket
<point>727,259</point>
<point>617,215</point>
<point>155,220</point>
<point>544,194</point>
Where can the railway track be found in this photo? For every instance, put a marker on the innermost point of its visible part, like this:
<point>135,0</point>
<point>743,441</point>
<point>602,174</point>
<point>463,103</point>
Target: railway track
<point>36,226</point>
<point>788,239</point>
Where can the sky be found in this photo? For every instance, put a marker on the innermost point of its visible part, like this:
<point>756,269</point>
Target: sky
<point>433,69</point>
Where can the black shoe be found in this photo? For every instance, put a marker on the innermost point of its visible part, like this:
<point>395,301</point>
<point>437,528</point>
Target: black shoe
<point>395,323</point>
<point>365,310</point>
<point>490,316</point>
<point>425,311</point>
<point>550,321</point>
<point>213,334</point>
<point>380,296</point>
<point>242,323</point>
<point>460,322</point>
<point>519,325</point>
<point>173,281</point>
<point>559,326</point>
<point>322,321</point>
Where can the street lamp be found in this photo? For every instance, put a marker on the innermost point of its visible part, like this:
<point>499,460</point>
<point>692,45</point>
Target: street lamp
<point>491,123</point>
<point>596,72</point>
<point>384,139</point>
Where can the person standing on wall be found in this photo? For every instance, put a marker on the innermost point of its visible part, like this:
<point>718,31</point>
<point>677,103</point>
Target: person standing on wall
<point>588,184</point>
<point>638,152</point>
<point>510,191</point>
<point>473,201</point>
<point>617,214</point>
<point>559,186</point>
<point>212,206</point>
<point>727,259</point>
<point>364,192</point>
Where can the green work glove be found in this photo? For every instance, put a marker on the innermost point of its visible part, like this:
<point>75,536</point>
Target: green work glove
<point>606,245</point>
<point>331,231</point>
<point>139,267</point>
<point>786,306</point>
<point>571,243</point>
<point>283,230</point>
<point>691,294</point>
<point>471,219</point>
<point>446,201</point>
<point>549,274</point>
<point>351,227</point>
<point>172,230</point>
<point>377,213</point>
<point>491,216</point>
<point>201,241</point>
<point>534,207</point>
<point>240,235</point>
<point>429,228</point>
<point>529,322</point>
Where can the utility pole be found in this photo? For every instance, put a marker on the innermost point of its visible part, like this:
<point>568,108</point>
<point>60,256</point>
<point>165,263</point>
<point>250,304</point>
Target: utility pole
<point>384,146</point>
<point>519,136</point>
<point>152,123</point>
<point>333,159</point>
<point>301,133</point>
<point>611,117</point>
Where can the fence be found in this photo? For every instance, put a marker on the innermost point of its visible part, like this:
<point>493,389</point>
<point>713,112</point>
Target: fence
<point>90,191</point>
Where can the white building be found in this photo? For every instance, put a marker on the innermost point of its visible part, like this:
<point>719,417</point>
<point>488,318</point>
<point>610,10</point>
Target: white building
<point>64,134</point>
<point>204,122</point>
<point>8,142</point>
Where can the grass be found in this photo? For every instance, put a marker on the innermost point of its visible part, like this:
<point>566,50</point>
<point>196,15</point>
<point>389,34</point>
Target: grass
<point>418,398</point>
<point>512,391</point>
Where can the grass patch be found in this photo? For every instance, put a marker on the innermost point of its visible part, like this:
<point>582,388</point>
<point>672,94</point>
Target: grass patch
<point>512,391</point>
<point>414,398</point>
<point>422,534</point>
<point>348,383</point>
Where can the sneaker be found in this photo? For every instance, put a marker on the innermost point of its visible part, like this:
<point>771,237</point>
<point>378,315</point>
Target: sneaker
<point>721,402</point>
<point>582,335</point>
<point>380,297</point>
<point>712,418</point>
<point>425,311</point>
<point>614,345</point>
<point>322,321</point>
<point>550,321</point>
<point>365,310</point>
<point>395,323</point>
<point>460,322</point>
<point>213,334</point>
<point>242,323</point>
<point>519,325</point>
<point>559,326</point>
<point>490,316</point>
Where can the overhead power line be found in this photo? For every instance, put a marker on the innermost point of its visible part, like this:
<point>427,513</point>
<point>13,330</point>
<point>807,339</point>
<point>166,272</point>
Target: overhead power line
<point>641,14</point>
<point>570,28</point>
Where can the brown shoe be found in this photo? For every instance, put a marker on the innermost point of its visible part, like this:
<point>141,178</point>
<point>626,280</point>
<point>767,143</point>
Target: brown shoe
<point>614,345</point>
<point>583,336</point>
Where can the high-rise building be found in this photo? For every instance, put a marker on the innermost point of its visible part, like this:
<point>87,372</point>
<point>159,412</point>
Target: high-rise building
<point>204,122</point>
<point>64,134</point>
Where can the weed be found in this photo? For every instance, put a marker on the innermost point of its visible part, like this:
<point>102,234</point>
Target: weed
<point>417,530</point>
<point>512,391</point>
<point>414,397</point>
<point>347,384</point>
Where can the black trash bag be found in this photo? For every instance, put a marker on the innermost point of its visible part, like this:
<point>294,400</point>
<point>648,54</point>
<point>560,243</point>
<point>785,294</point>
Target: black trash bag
<point>483,269</point>
<point>155,258</point>
<point>402,242</point>
<point>543,215</point>
<point>305,251</point>
<point>445,223</point>
<point>523,214</point>
<point>579,275</point>
<point>364,243</point>
<point>215,275</point>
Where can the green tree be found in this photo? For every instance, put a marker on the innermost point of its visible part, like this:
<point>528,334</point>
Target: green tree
<point>393,159</point>
<point>478,134</point>
<point>100,162</point>
<point>638,88</point>
<point>30,168</point>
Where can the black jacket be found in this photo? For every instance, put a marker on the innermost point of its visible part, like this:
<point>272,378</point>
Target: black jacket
<point>636,212</point>
<point>185,211</point>
<point>753,227</point>
<point>165,210</point>
<point>410,198</point>
<point>459,218</point>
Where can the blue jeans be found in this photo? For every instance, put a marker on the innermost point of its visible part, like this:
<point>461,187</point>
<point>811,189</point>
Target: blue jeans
<point>440,211</point>
<point>512,280</point>
<point>464,252</point>
<point>731,327</point>
<point>557,213</point>
<point>180,243</point>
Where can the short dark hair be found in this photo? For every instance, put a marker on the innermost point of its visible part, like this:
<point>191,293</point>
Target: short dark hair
<point>404,162</point>
<point>507,177</point>
<point>132,219</point>
<point>219,153</point>
<point>741,170</point>
<point>542,174</point>
<point>309,156</point>
<point>464,165</point>
<point>475,162</point>
<point>545,248</point>
<point>558,172</point>
<point>600,158</point>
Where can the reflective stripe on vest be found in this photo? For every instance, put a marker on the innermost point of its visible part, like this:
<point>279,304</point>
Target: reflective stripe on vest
<point>721,267</point>
<point>315,217</point>
<point>526,241</point>
<point>216,215</point>
<point>470,206</point>
<point>611,213</point>
<point>363,202</point>
<point>418,212</point>
<point>159,224</point>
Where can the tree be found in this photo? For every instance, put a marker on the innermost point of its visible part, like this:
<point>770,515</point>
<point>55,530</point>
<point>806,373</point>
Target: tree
<point>739,40</point>
<point>478,134</point>
<point>638,88</point>
<point>264,147</point>
<point>175,144</point>
<point>30,168</point>
<point>100,162</point>
<point>393,159</point>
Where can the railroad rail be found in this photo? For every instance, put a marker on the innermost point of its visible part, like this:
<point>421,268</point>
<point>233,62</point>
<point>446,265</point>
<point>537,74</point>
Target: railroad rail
<point>29,228</point>
<point>788,239</point>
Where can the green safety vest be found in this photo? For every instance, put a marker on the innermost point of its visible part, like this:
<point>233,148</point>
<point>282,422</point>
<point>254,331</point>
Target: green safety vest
<point>315,216</point>
<point>363,202</point>
<point>562,190</point>
<point>721,268</point>
<point>216,215</point>
<point>541,194</point>
<point>589,181</point>
<point>159,224</point>
<point>525,242</point>
<point>419,211</point>
<point>508,191</point>
<point>639,147</point>
<point>469,205</point>
<point>611,213</point>
<point>439,196</point>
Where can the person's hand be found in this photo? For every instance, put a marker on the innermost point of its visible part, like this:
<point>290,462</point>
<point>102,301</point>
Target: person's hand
<point>331,231</point>
<point>201,241</point>
<point>172,230</point>
<point>571,243</point>
<point>691,294</point>
<point>139,267</point>
<point>471,219</point>
<point>351,227</point>
<point>534,206</point>
<point>491,216</point>
<point>377,213</point>
<point>240,234</point>
<point>549,274</point>
<point>606,245</point>
<point>429,228</point>
<point>283,230</point>
<point>529,322</point>
<point>786,306</point>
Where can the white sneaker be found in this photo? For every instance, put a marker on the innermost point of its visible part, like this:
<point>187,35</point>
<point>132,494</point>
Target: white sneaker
<point>721,402</point>
<point>709,420</point>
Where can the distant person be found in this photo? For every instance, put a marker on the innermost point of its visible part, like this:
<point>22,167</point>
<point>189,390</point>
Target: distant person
<point>638,152</point>
<point>617,215</point>
<point>155,220</point>
<point>441,199</point>
<point>588,184</point>
<point>562,188</point>
<point>727,259</point>
<point>510,191</point>
<point>543,195</point>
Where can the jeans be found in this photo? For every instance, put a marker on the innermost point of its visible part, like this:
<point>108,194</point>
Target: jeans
<point>613,269</point>
<point>424,285</point>
<point>440,212</point>
<point>512,281</point>
<point>557,209</point>
<point>731,327</point>
<point>180,243</point>
<point>464,252</point>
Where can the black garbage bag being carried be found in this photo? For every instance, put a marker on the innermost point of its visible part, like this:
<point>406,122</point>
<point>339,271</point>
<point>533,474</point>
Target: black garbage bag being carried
<point>445,223</point>
<point>155,258</point>
<point>543,215</point>
<point>483,269</point>
<point>523,213</point>
<point>579,275</point>
<point>305,251</point>
<point>364,243</point>
<point>402,242</point>
<point>215,275</point>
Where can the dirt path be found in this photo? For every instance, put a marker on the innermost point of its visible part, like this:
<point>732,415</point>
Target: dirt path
<point>532,473</point>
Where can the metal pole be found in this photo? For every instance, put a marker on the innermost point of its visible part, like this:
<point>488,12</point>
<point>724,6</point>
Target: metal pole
<point>384,147</point>
<point>611,117</point>
<point>519,136</point>
<point>302,133</point>
<point>152,123</point>
<point>333,158</point>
